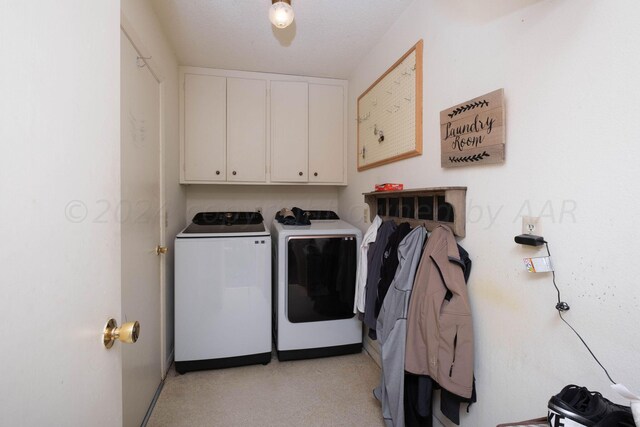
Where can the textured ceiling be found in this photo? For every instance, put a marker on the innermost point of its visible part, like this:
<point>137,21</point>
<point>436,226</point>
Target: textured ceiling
<point>326,39</point>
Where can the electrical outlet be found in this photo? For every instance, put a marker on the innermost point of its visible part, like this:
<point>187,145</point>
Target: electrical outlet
<point>531,225</point>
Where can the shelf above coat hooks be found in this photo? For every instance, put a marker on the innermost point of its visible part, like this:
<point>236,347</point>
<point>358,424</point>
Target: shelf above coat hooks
<point>423,206</point>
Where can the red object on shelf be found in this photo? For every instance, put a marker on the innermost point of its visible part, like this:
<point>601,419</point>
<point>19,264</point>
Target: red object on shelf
<point>389,187</point>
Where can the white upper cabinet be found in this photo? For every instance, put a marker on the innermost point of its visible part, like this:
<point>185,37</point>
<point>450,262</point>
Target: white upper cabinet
<point>289,131</point>
<point>240,127</point>
<point>326,133</point>
<point>246,130</point>
<point>205,117</point>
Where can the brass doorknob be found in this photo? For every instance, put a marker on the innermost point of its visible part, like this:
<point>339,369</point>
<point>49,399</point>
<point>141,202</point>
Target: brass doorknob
<point>127,333</point>
<point>161,250</point>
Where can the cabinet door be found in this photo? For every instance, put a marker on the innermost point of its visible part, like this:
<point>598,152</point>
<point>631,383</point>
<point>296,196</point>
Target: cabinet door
<point>246,130</point>
<point>289,131</point>
<point>326,133</point>
<point>205,127</point>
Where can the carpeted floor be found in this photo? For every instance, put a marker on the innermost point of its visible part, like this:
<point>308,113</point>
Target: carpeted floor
<point>334,391</point>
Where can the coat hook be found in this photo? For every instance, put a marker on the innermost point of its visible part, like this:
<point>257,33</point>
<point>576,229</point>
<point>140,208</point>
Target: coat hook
<point>141,61</point>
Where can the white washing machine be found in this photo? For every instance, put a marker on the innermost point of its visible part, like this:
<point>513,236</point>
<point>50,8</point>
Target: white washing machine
<point>222,292</point>
<point>314,286</point>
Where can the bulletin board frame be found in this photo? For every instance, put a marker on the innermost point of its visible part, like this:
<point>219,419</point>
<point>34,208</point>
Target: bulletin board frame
<point>416,150</point>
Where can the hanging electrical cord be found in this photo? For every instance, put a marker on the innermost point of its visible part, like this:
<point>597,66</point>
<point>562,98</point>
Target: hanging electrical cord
<point>562,306</point>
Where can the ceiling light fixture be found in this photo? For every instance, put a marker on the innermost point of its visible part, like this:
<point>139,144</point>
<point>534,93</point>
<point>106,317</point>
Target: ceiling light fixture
<point>281,13</point>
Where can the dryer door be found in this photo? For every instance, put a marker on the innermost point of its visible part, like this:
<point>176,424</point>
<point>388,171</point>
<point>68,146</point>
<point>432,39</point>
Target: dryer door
<point>321,276</point>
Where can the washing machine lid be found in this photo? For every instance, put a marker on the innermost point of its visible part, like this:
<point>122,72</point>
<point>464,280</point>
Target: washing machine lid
<point>225,224</point>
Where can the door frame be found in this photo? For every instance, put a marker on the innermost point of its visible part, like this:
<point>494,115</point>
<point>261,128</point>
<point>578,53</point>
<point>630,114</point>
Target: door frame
<point>157,73</point>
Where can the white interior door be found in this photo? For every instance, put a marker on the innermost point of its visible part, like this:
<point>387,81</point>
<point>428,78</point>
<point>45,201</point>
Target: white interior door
<point>140,217</point>
<point>59,183</point>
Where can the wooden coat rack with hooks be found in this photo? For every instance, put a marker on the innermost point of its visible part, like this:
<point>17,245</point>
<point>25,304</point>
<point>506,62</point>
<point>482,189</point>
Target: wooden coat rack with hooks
<point>423,206</point>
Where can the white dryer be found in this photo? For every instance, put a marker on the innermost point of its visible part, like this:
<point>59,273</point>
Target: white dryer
<point>314,287</point>
<point>222,292</point>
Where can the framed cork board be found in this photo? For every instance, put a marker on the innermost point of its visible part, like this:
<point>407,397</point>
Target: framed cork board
<point>390,113</point>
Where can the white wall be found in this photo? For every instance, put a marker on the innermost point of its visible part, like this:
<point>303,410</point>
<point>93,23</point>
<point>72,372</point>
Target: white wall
<point>204,198</point>
<point>142,18</point>
<point>570,73</point>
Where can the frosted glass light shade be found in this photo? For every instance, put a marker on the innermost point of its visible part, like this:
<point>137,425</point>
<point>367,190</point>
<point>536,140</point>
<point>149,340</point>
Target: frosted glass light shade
<point>281,14</point>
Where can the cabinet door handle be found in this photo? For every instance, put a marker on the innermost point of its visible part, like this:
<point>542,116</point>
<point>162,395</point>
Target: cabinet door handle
<point>217,172</point>
<point>300,173</point>
<point>315,174</point>
<point>234,172</point>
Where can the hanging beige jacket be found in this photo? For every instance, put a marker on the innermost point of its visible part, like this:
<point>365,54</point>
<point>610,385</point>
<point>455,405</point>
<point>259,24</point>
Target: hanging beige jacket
<point>440,331</point>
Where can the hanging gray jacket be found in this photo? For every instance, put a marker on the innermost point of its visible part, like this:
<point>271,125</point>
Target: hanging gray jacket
<point>392,329</point>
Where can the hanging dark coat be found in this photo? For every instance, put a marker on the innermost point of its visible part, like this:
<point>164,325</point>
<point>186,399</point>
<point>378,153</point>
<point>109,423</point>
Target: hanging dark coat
<point>390,262</point>
<point>374,263</point>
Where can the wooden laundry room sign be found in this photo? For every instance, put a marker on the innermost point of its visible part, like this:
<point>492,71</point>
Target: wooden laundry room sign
<point>473,132</point>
